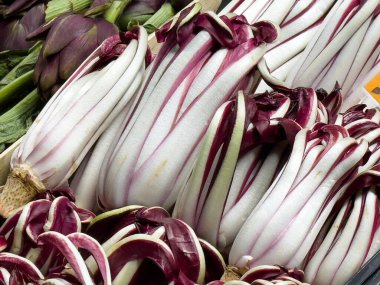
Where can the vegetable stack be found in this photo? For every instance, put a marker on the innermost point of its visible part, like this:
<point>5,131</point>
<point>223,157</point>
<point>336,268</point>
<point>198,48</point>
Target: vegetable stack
<point>213,158</point>
<point>88,102</point>
<point>204,60</point>
<point>245,148</point>
<point>44,42</point>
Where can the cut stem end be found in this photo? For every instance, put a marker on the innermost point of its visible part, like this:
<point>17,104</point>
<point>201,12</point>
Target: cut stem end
<point>21,187</point>
<point>231,273</point>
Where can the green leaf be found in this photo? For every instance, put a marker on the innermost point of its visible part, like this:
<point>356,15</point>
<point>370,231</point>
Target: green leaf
<point>165,13</point>
<point>117,7</point>
<point>128,21</point>
<point>16,121</point>
<point>150,28</point>
<point>9,59</point>
<point>55,8</point>
<point>26,65</point>
<point>15,89</point>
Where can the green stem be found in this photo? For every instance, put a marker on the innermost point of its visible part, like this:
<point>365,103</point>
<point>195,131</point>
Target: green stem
<point>160,17</point>
<point>56,8</point>
<point>114,11</point>
<point>30,101</point>
<point>9,59</point>
<point>126,21</point>
<point>17,86</point>
<point>15,122</point>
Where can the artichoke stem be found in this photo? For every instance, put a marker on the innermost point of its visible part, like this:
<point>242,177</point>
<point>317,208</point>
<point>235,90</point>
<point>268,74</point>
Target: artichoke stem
<point>21,187</point>
<point>15,87</point>
<point>115,10</point>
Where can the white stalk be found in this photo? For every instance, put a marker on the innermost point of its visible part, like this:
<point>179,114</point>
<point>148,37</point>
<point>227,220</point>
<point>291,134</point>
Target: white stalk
<point>359,243</point>
<point>341,66</point>
<point>313,265</point>
<point>298,211</point>
<point>86,186</point>
<point>202,111</point>
<point>375,245</point>
<point>283,53</point>
<point>186,205</point>
<point>53,149</point>
<point>286,222</point>
<point>342,254</point>
<point>207,227</point>
<point>148,142</point>
<point>366,56</point>
<point>330,39</point>
<point>244,240</point>
<point>297,29</point>
<point>301,17</point>
<point>321,38</point>
<point>234,218</point>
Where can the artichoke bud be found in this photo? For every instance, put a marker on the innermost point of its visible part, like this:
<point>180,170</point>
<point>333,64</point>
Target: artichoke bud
<point>18,6</point>
<point>14,30</point>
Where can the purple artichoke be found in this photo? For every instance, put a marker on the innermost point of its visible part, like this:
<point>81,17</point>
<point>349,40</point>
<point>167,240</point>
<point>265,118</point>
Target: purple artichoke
<point>18,6</point>
<point>13,31</point>
<point>70,39</point>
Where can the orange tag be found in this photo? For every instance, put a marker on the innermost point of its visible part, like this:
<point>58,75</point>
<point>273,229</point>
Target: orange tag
<point>373,87</point>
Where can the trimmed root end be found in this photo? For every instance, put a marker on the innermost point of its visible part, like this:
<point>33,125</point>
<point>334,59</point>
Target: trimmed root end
<point>231,273</point>
<point>21,187</point>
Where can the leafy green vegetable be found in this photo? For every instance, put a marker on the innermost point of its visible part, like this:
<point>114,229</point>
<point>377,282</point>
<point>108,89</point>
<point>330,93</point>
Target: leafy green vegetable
<point>26,65</point>
<point>19,81</point>
<point>16,121</point>
<point>9,59</point>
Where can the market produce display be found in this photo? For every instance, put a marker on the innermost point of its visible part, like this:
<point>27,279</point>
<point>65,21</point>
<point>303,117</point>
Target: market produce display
<point>247,157</point>
<point>53,38</point>
<point>234,148</point>
<point>207,70</point>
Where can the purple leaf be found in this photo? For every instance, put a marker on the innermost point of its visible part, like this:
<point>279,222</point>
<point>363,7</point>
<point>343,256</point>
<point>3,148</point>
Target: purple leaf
<point>186,249</point>
<point>215,264</point>
<point>69,251</point>
<point>11,261</point>
<point>13,31</point>
<point>138,247</point>
<point>119,218</point>
<point>88,243</point>
<point>62,217</point>
<point>3,243</point>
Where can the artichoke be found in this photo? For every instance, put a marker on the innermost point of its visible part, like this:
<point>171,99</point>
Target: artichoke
<point>70,39</point>
<point>13,31</point>
<point>19,6</point>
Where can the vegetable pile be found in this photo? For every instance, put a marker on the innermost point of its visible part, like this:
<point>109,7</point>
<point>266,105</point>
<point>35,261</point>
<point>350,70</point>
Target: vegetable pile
<point>238,151</point>
<point>143,246</point>
<point>44,42</point>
